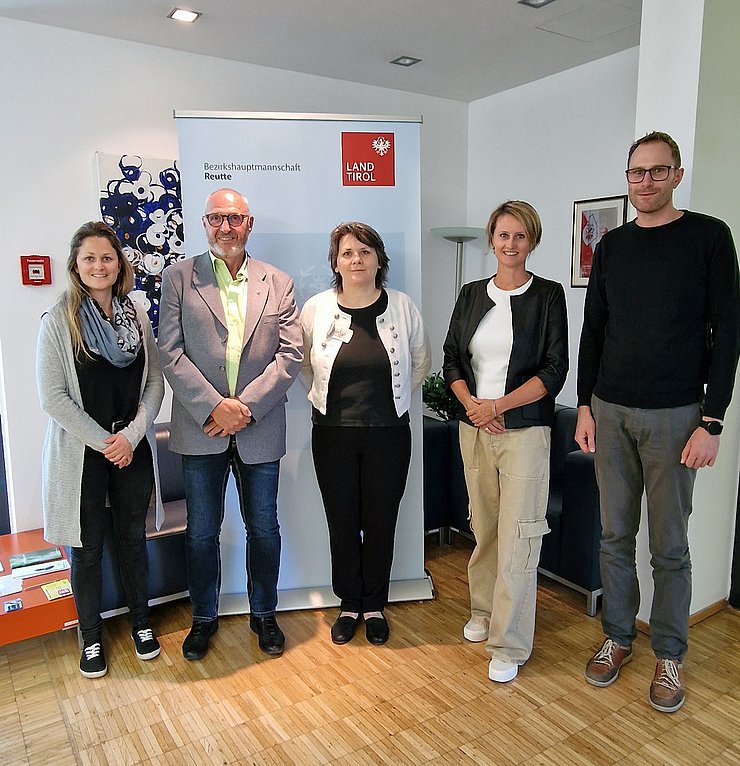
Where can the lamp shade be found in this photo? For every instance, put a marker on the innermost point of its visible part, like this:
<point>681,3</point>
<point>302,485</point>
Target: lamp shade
<point>459,233</point>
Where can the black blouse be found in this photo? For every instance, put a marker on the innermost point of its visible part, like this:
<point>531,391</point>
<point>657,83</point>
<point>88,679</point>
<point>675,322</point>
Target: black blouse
<point>110,394</point>
<point>360,392</point>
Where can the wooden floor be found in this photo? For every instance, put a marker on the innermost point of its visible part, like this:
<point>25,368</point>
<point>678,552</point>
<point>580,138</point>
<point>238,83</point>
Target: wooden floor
<point>423,698</point>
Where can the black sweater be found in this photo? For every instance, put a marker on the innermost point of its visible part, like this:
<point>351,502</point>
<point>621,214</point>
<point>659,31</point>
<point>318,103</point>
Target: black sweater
<point>661,316</point>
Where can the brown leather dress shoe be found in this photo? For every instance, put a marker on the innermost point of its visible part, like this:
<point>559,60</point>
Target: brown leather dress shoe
<point>666,691</point>
<point>603,668</point>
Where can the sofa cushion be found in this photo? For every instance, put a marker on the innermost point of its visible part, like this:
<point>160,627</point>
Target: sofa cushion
<point>175,520</point>
<point>171,482</point>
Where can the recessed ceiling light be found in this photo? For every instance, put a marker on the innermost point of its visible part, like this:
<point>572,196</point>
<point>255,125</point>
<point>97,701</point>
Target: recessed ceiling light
<point>405,61</point>
<point>535,3</point>
<point>180,14</point>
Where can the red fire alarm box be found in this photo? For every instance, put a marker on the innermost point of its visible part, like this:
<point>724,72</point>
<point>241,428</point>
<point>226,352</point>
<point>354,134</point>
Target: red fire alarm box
<point>36,269</point>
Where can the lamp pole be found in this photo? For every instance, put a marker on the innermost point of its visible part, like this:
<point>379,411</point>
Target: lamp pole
<point>459,235</point>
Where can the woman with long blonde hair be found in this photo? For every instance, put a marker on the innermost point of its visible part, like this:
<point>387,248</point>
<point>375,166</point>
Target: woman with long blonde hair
<point>100,383</point>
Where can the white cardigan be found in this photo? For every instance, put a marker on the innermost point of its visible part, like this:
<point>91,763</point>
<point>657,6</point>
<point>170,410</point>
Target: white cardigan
<point>401,330</point>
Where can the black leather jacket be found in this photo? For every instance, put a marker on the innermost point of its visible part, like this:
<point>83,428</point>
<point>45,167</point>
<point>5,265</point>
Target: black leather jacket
<point>540,345</point>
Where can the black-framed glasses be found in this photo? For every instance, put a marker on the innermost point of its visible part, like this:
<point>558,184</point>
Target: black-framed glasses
<point>216,219</point>
<point>658,173</point>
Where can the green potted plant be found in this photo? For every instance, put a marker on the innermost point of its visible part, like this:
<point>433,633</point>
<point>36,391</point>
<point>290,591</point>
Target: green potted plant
<point>445,494</point>
<point>438,398</point>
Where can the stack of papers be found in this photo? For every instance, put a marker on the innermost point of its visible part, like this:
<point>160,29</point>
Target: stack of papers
<point>38,569</point>
<point>37,562</point>
<point>10,584</point>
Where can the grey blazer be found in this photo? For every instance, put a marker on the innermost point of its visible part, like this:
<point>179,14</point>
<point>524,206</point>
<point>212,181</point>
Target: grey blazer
<point>192,348</point>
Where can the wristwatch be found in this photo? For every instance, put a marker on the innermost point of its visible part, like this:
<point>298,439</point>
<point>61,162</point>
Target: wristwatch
<point>713,427</point>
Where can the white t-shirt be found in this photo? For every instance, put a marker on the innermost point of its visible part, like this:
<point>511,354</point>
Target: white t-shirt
<point>491,344</point>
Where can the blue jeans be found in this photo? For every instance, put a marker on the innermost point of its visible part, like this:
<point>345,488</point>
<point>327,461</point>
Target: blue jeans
<point>640,449</point>
<point>205,488</point>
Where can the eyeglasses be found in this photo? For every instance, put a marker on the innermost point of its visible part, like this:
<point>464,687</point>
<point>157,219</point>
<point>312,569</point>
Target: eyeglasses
<point>234,219</point>
<point>658,173</point>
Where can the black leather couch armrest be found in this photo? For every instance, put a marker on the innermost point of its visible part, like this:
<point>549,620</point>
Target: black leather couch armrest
<point>580,522</point>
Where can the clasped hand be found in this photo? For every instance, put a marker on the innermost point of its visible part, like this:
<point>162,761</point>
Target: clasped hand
<point>119,450</point>
<point>482,415</point>
<point>228,416</point>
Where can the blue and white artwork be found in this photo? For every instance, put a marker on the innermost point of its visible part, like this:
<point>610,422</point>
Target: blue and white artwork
<point>140,200</point>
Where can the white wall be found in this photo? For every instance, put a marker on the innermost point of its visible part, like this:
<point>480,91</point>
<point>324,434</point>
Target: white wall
<point>551,142</point>
<point>716,170</point>
<point>66,95</point>
<point>668,81</point>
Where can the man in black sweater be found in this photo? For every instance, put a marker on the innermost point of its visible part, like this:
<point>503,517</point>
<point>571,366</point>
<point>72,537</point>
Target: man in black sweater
<point>660,323</point>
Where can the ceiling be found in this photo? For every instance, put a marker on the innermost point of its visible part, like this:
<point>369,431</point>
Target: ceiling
<point>469,48</point>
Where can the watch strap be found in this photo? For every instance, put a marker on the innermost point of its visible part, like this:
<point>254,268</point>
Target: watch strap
<point>713,427</point>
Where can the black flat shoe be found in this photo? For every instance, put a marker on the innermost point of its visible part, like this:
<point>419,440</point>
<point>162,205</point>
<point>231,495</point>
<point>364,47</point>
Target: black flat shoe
<point>271,638</point>
<point>195,646</point>
<point>343,630</point>
<point>377,630</point>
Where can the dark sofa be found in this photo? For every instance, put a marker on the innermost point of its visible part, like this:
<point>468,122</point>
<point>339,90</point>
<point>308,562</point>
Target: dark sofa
<point>445,494</point>
<point>570,552</point>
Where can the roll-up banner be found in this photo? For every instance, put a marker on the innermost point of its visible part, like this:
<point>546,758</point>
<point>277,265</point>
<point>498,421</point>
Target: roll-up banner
<point>303,174</point>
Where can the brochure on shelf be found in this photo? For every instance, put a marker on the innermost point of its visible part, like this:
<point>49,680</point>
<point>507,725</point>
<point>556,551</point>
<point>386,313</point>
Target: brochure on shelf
<point>29,558</point>
<point>38,569</point>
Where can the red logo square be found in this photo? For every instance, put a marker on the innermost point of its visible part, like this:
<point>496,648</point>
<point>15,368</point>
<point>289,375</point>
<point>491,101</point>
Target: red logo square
<point>368,159</point>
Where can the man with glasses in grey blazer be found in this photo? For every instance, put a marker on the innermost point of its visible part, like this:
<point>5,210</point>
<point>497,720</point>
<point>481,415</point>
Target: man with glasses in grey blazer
<point>231,346</point>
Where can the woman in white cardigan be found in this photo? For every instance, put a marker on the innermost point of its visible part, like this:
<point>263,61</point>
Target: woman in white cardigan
<point>100,383</point>
<point>365,351</point>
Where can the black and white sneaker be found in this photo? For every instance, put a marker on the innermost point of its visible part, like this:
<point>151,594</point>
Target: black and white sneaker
<point>147,646</point>
<point>92,661</point>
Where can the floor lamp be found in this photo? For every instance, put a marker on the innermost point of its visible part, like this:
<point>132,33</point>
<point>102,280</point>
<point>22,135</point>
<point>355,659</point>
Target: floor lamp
<point>459,235</point>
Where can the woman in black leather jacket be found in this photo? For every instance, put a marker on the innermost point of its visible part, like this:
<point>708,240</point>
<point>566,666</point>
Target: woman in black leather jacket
<point>505,359</point>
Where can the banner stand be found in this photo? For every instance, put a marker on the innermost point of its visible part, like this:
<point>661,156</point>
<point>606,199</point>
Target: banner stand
<point>303,174</point>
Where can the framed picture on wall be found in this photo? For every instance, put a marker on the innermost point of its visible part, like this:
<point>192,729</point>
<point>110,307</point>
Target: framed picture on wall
<point>592,218</point>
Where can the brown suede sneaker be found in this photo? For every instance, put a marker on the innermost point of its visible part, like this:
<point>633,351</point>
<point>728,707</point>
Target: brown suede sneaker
<point>666,691</point>
<point>603,668</point>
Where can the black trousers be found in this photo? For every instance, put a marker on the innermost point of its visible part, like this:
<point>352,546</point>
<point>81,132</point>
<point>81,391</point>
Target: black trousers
<point>361,474</point>
<point>128,490</point>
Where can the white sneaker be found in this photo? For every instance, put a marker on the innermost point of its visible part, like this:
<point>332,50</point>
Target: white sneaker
<point>476,629</point>
<point>502,671</point>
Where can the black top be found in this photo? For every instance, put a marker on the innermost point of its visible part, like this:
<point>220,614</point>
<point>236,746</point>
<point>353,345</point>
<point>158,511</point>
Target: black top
<point>360,392</point>
<point>661,316</point>
<point>540,348</point>
<point>110,393</point>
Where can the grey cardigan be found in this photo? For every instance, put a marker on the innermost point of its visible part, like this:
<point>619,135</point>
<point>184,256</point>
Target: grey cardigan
<point>71,429</point>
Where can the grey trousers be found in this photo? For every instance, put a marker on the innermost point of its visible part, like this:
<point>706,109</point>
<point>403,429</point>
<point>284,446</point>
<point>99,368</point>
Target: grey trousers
<point>640,449</point>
